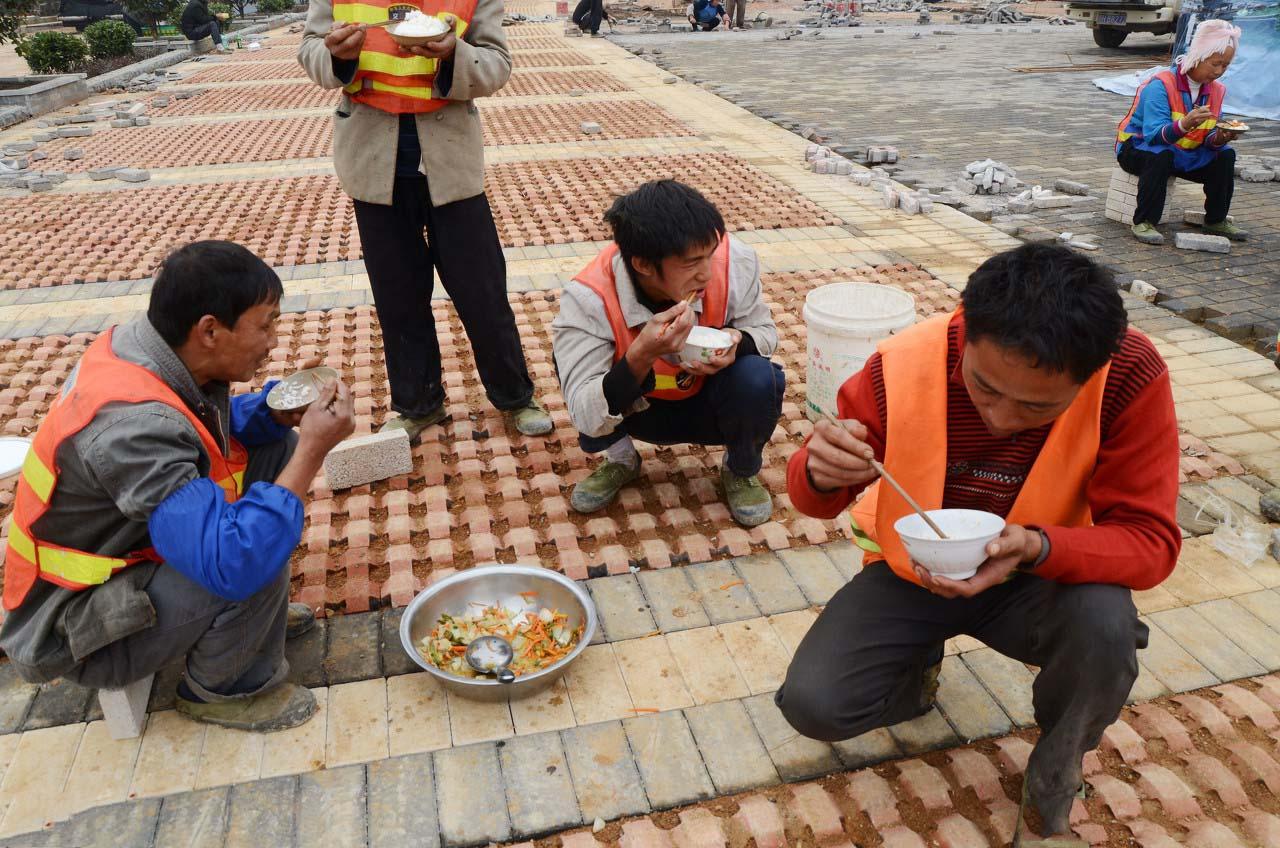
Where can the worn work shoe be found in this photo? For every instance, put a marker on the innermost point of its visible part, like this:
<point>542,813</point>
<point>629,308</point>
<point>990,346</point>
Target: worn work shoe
<point>301,618</point>
<point>287,705</point>
<point>598,491</point>
<point>929,687</point>
<point>749,501</point>
<point>1147,234</point>
<point>1226,228</point>
<point>415,426</point>
<point>531,420</point>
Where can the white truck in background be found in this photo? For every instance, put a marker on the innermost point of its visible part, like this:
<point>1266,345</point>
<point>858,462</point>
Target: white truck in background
<point>1113,20</point>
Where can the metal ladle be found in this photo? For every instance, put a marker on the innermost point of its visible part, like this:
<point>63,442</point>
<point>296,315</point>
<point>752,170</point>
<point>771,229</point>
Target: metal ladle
<point>492,655</point>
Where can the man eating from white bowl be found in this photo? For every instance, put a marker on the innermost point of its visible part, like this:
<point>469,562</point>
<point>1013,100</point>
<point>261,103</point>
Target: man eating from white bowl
<point>625,348</point>
<point>1035,402</point>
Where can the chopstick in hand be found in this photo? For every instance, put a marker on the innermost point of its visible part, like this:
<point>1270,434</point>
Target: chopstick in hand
<point>831,419</point>
<point>688,301</point>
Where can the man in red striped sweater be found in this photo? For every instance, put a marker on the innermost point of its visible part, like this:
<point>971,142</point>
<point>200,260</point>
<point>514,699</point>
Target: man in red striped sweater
<point>1035,402</point>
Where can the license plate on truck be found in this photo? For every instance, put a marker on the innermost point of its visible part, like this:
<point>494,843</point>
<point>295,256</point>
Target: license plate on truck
<point>1112,18</point>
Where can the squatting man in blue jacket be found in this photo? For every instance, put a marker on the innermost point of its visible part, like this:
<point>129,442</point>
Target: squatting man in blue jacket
<point>155,514</point>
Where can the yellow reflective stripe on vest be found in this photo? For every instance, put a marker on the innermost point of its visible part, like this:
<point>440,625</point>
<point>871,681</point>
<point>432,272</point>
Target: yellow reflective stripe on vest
<point>862,540</point>
<point>404,91</point>
<point>71,566</point>
<point>38,476</point>
<point>664,381</point>
<point>400,66</point>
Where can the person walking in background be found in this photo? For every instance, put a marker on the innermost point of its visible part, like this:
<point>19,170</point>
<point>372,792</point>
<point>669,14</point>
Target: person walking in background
<point>408,148</point>
<point>736,14</point>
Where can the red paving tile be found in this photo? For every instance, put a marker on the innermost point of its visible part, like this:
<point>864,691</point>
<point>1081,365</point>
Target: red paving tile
<point>534,42</point>
<point>880,805</point>
<point>526,83</point>
<point>549,59</point>
<point>277,52</point>
<point>246,71</point>
<point>480,491</point>
<point>560,122</point>
<point>238,99</point>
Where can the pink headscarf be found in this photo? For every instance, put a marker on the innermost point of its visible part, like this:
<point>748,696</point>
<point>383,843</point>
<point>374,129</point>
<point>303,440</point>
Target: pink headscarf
<point>1211,38</point>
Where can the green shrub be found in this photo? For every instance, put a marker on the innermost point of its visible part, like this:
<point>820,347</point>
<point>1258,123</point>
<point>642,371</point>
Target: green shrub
<point>53,52</point>
<point>275,7</point>
<point>216,9</point>
<point>108,39</point>
<point>12,13</point>
<point>152,12</point>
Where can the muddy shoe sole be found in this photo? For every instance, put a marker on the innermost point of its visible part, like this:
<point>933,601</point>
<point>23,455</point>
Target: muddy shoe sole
<point>282,708</point>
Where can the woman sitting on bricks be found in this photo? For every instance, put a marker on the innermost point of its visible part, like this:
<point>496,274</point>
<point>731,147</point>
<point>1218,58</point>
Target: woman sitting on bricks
<point>1172,131</point>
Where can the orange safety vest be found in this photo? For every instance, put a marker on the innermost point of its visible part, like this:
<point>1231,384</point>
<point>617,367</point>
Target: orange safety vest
<point>915,382</point>
<point>671,382</point>
<point>102,378</point>
<point>1214,92</point>
<point>387,77</point>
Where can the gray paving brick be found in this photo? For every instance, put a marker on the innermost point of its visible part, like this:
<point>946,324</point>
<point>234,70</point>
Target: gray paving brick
<point>868,749</point>
<point>673,600</point>
<point>722,605</point>
<point>815,574</point>
<point>1264,605</point>
<point>402,803</point>
<point>130,823</point>
<point>967,705</point>
<point>262,812</point>
<point>1147,687</point>
<point>623,610</point>
<point>1216,652</point>
<point>58,702</point>
<point>394,658</point>
<point>668,759</point>
<point>1244,629</point>
<point>306,654</point>
<point>16,696</point>
<point>770,584</point>
<point>735,757</point>
<point>331,808</point>
<point>604,772</point>
<point>540,796</point>
<point>929,732</point>
<point>1171,664</point>
<point>1007,680</point>
<point>352,650</point>
<point>795,757</point>
<point>193,819</point>
<point>846,556</point>
<point>469,797</point>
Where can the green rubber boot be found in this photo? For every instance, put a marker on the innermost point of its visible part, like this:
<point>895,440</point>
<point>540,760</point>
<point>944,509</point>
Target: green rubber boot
<point>1147,233</point>
<point>749,501</point>
<point>598,491</point>
<point>415,426</point>
<point>1228,229</point>
<point>531,420</point>
<point>287,705</point>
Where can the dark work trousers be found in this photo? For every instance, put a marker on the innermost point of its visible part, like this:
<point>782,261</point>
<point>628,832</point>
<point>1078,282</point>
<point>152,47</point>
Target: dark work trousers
<point>1153,171</point>
<point>737,12</point>
<point>861,665</point>
<point>402,243</point>
<point>233,649</point>
<point>737,407</point>
<point>588,14</point>
<point>210,29</point>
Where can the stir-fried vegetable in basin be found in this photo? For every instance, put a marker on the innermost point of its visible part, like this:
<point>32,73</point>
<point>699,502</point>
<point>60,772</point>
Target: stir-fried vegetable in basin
<point>538,638</point>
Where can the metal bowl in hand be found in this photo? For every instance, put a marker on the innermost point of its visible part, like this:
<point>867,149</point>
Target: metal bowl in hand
<point>518,588</point>
<point>300,389</point>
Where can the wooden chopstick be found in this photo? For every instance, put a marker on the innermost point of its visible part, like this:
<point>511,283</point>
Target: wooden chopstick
<point>880,469</point>
<point>688,301</point>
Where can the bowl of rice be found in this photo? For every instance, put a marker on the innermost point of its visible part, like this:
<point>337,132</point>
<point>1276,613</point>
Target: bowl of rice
<point>418,29</point>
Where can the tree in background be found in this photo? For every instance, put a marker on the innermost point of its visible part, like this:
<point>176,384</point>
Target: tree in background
<point>11,14</point>
<point>152,12</point>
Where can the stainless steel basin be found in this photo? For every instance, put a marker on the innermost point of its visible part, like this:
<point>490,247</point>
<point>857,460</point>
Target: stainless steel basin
<point>498,585</point>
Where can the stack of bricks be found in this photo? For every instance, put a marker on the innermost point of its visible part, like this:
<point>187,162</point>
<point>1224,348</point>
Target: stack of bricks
<point>1122,196</point>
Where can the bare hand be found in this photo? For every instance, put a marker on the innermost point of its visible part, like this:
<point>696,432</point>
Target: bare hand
<point>1227,136</point>
<point>1015,546</point>
<point>1196,117</point>
<point>443,48</point>
<point>840,456</point>
<point>345,41</point>
<point>329,419</point>
<point>717,361</point>
<point>665,334</point>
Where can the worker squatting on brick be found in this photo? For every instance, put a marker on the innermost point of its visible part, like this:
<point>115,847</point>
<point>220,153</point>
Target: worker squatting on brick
<point>618,341</point>
<point>408,148</point>
<point>155,514</point>
<point>1035,402</point>
<point>1172,131</point>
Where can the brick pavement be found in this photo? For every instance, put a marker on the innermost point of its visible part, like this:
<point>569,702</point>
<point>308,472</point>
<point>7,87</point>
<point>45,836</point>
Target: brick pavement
<point>1047,125</point>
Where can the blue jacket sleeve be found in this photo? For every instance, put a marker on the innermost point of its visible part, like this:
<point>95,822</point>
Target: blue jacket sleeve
<point>1155,116</point>
<point>251,421</point>
<point>231,549</point>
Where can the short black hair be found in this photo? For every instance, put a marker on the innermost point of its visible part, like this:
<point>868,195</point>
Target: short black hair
<point>662,218</point>
<point>1049,303</point>
<point>218,278</point>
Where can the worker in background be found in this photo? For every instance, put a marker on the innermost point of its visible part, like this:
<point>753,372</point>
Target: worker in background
<point>197,22</point>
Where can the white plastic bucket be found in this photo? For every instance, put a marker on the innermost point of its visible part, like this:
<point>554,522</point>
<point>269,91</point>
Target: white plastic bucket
<point>846,321</point>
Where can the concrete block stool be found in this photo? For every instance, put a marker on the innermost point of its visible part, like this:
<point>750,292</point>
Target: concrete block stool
<point>125,710</point>
<point>1122,197</point>
<point>204,45</point>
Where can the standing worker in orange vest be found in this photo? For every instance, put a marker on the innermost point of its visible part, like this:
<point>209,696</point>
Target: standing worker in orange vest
<point>1172,131</point>
<point>155,514</point>
<point>1035,402</point>
<point>408,148</point>
<point>629,312</point>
